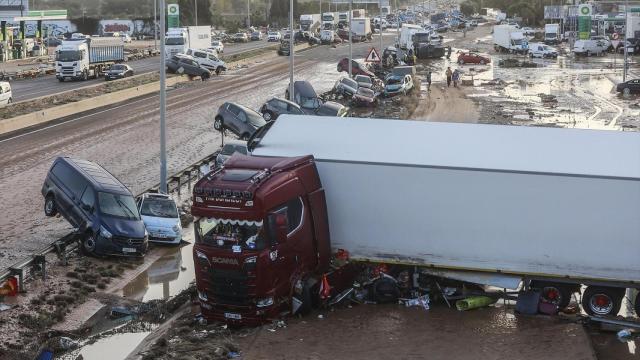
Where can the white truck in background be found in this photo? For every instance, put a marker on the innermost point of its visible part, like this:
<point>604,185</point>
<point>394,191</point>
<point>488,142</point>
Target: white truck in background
<point>179,40</point>
<point>329,20</point>
<point>552,35</point>
<point>310,22</point>
<point>361,29</point>
<point>82,58</point>
<point>406,35</point>
<point>508,38</point>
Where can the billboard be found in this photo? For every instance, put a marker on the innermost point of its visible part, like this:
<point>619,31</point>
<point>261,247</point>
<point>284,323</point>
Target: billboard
<point>173,16</point>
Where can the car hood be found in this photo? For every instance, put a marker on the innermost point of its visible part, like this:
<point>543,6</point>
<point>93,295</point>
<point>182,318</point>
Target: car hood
<point>393,87</point>
<point>160,222</point>
<point>124,227</point>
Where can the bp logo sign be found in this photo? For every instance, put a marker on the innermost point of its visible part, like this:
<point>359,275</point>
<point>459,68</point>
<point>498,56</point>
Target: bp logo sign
<point>585,10</point>
<point>173,9</point>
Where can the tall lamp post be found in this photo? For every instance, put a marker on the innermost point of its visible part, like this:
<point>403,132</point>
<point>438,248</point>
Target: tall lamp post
<point>291,37</point>
<point>163,104</point>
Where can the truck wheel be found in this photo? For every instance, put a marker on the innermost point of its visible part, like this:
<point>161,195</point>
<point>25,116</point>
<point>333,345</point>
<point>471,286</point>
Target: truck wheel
<point>218,124</point>
<point>50,208</point>
<point>61,79</point>
<point>85,75</point>
<point>88,243</point>
<point>597,300</point>
<point>558,294</point>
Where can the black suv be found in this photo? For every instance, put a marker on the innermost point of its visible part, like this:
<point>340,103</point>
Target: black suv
<point>241,120</point>
<point>99,206</point>
<point>184,64</point>
<point>277,106</point>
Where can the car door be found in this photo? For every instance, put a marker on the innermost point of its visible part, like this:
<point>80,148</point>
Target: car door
<point>635,85</point>
<point>87,204</point>
<point>232,120</point>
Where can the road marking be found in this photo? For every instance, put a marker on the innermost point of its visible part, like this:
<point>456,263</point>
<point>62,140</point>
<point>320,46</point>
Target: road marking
<point>75,119</point>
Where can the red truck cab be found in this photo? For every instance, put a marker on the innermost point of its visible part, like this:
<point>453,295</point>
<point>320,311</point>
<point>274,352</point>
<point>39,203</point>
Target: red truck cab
<point>262,238</point>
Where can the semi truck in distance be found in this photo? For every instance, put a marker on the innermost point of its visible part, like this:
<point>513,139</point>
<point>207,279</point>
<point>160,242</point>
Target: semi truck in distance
<point>523,209</point>
<point>329,20</point>
<point>84,58</point>
<point>552,35</point>
<point>310,22</point>
<point>179,40</point>
<point>361,29</point>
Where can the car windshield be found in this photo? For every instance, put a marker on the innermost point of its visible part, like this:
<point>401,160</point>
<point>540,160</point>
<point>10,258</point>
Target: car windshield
<point>229,149</point>
<point>174,41</point>
<point>215,43</point>
<point>164,208</point>
<point>118,67</point>
<point>227,233</point>
<point>68,55</point>
<point>309,102</point>
<point>118,205</point>
<point>394,81</point>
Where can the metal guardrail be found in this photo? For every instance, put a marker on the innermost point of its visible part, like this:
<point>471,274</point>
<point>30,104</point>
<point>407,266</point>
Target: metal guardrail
<point>36,262</point>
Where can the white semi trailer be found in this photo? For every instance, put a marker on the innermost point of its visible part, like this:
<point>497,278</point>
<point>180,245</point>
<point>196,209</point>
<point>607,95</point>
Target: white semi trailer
<point>84,58</point>
<point>499,205</point>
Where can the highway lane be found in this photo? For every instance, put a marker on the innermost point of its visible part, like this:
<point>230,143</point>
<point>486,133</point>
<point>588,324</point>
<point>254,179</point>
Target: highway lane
<point>124,139</point>
<point>48,85</point>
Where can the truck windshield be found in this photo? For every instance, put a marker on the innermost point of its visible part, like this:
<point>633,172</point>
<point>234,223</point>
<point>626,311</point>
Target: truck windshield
<point>421,38</point>
<point>174,41</point>
<point>117,205</point>
<point>68,55</point>
<point>226,233</point>
<point>517,41</point>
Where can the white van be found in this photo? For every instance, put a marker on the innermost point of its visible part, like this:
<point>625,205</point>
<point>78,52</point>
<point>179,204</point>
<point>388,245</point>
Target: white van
<point>208,59</point>
<point>6,96</point>
<point>541,50</point>
<point>590,47</point>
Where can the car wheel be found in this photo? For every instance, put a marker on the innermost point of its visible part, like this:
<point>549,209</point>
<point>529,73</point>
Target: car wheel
<point>89,244</point>
<point>461,61</point>
<point>180,70</point>
<point>205,76</point>
<point>626,92</point>
<point>340,69</point>
<point>218,70</point>
<point>218,124</point>
<point>10,100</point>
<point>267,116</point>
<point>482,62</point>
<point>61,79</point>
<point>50,208</point>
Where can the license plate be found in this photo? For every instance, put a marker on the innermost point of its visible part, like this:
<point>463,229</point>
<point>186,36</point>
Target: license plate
<point>129,250</point>
<point>232,316</point>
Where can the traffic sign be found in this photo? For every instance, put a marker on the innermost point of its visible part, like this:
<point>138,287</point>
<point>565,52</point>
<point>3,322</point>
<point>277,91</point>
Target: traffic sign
<point>373,56</point>
<point>616,36</point>
<point>615,43</point>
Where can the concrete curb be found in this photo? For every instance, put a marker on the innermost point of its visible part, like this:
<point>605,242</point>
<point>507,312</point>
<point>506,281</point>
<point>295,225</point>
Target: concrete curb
<point>57,112</point>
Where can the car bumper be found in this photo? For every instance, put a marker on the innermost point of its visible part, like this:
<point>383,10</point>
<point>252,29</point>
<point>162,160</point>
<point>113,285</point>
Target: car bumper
<point>121,247</point>
<point>165,238</point>
<point>114,77</point>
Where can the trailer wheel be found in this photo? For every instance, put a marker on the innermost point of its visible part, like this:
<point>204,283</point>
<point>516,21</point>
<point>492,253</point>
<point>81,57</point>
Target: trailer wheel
<point>558,294</point>
<point>602,301</point>
<point>85,75</point>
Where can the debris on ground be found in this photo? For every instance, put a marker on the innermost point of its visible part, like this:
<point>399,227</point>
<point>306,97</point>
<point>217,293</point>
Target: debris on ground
<point>474,302</point>
<point>513,63</point>
<point>545,98</point>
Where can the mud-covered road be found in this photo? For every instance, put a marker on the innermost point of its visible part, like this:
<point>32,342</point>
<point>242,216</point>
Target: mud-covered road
<point>124,139</point>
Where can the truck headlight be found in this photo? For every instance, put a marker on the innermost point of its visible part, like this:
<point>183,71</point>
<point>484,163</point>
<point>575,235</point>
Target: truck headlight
<point>265,302</point>
<point>105,233</point>
<point>202,258</point>
<point>176,229</point>
<point>198,199</point>
<point>202,296</point>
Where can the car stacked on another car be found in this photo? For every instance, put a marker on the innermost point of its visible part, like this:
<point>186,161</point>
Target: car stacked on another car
<point>118,71</point>
<point>275,107</point>
<point>187,65</point>
<point>346,87</point>
<point>356,68</point>
<point>241,120</point>
<point>230,147</point>
<point>161,218</point>
<point>398,84</point>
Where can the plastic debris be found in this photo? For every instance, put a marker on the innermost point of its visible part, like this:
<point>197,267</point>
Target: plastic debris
<point>320,316</point>
<point>233,355</point>
<point>5,307</point>
<point>67,343</point>
<point>120,312</point>
<point>422,301</point>
<point>625,335</point>
<point>474,302</point>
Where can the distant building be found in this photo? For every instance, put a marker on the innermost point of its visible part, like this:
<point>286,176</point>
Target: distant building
<point>10,9</point>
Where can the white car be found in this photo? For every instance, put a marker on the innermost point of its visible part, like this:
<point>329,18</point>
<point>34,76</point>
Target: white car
<point>6,96</point>
<point>218,46</point>
<point>541,50</point>
<point>590,47</point>
<point>126,38</point>
<point>161,218</point>
<point>274,36</point>
<point>208,59</point>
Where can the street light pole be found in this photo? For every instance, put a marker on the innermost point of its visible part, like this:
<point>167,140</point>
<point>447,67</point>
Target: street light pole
<point>398,22</point>
<point>380,23</point>
<point>626,51</point>
<point>291,49</point>
<point>155,25</point>
<point>350,37</point>
<point>163,105</point>
<point>195,5</point>
<point>249,13</point>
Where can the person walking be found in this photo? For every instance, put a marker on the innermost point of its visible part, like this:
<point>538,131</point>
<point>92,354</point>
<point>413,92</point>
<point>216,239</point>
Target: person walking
<point>456,78</point>
<point>448,73</point>
<point>429,81</point>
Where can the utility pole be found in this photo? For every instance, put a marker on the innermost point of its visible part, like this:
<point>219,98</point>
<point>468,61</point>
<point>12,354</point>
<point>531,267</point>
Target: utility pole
<point>320,11</point>
<point>155,24</point>
<point>350,37</point>
<point>398,22</point>
<point>248,13</point>
<point>163,104</point>
<point>380,23</point>
<point>195,6</point>
<point>626,50</point>
<point>291,49</point>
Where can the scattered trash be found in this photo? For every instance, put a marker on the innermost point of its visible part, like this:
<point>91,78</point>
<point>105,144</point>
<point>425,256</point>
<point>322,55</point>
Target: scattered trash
<point>121,311</point>
<point>511,63</point>
<point>419,301</point>
<point>233,355</point>
<point>67,343</point>
<point>548,98</point>
<point>5,307</point>
<point>474,302</point>
<point>46,354</point>
<point>527,302</point>
<point>10,287</point>
<point>547,308</point>
<point>625,335</point>
<point>200,319</point>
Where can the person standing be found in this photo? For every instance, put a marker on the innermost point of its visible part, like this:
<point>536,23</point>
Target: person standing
<point>456,78</point>
<point>448,73</point>
<point>429,81</point>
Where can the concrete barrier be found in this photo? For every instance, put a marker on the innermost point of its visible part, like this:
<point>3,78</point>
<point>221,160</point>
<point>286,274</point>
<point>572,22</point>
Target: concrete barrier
<point>60,111</point>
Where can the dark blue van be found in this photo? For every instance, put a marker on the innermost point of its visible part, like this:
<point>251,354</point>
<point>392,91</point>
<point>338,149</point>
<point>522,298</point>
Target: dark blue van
<point>98,205</point>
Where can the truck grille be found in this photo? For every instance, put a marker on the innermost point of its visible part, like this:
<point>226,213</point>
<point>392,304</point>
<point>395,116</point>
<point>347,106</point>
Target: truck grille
<point>229,287</point>
<point>122,241</point>
<point>67,70</point>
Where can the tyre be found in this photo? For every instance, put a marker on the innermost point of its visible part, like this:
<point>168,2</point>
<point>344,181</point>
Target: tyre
<point>50,208</point>
<point>218,70</point>
<point>205,76</point>
<point>85,76</point>
<point>597,300</point>
<point>340,69</point>
<point>626,92</point>
<point>9,101</point>
<point>588,53</point>
<point>482,62</point>
<point>218,124</point>
<point>88,245</point>
<point>61,79</point>
<point>268,116</point>
<point>558,294</point>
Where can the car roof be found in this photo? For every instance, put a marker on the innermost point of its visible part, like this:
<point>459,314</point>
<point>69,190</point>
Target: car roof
<point>101,179</point>
<point>155,196</point>
<point>304,88</point>
<point>285,101</point>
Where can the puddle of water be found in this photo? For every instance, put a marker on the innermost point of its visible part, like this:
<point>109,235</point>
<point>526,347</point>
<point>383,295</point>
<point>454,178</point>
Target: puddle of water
<point>117,346</point>
<point>166,277</point>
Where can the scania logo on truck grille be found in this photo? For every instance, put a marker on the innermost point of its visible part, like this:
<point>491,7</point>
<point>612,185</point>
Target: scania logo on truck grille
<point>221,260</point>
